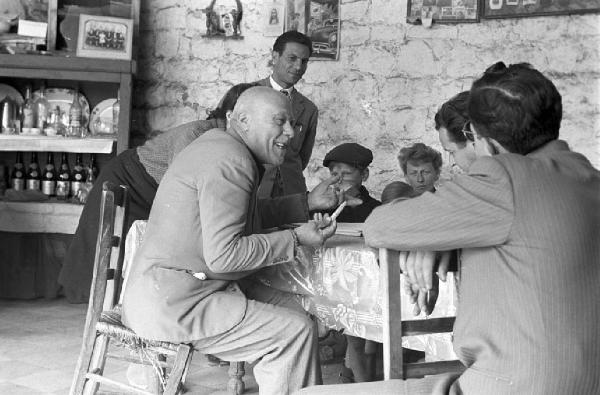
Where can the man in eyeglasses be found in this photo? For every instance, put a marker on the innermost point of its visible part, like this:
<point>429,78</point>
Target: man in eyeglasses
<point>527,217</point>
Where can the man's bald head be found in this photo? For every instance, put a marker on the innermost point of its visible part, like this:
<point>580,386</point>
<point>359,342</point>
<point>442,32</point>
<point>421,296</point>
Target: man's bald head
<point>262,119</point>
<point>258,97</point>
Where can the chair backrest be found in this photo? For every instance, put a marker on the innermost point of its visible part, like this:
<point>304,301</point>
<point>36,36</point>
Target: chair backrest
<point>108,260</point>
<point>394,328</point>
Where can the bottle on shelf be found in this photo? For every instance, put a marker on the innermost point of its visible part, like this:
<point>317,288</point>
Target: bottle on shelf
<point>93,166</point>
<point>17,178</point>
<point>41,110</point>
<point>75,128</point>
<point>63,180</point>
<point>77,175</point>
<point>32,179</point>
<point>28,115</point>
<point>116,109</point>
<point>3,178</point>
<point>56,127</point>
<point>49,176</point>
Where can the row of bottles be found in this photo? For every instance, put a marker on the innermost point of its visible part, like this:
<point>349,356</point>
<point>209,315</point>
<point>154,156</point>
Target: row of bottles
<point>62,182</point>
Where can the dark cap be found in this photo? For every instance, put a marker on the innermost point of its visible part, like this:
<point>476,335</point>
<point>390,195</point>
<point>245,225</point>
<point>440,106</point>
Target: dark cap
<point>351,153</point>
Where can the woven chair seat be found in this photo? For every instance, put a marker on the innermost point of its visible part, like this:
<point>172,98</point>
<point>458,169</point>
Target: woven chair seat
<point>110,324</point>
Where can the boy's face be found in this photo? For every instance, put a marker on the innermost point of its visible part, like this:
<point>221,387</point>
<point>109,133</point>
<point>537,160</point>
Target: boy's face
<point>351,178</point>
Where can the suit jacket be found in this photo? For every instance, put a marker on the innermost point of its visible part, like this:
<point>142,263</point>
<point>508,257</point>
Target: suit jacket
<point>528,317</point>
<point>298,154</point>
<point>205,219</point>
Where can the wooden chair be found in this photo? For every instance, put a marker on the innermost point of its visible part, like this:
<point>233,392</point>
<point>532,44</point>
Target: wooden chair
<point>103,324</point>
<point>394,328</point>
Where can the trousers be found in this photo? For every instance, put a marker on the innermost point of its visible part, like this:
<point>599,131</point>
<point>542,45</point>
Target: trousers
<point>277,334</point>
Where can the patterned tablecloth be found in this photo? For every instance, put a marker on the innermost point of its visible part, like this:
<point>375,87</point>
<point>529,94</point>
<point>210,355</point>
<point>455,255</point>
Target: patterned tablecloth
<point>340,284</point>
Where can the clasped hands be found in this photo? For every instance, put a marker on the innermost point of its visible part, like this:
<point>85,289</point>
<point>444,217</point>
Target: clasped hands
<point>422,271</point>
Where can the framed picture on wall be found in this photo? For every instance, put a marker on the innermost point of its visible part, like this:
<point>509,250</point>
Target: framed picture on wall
<point>104,37</point>
<point>525,8</point>
<point>443,11</point>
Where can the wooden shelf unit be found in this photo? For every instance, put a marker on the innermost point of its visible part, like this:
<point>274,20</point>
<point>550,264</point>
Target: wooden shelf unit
<point>46,67</point>
<point>55,216</point>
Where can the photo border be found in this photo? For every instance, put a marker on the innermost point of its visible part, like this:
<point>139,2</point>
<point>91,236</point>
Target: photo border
<point>82,51</point>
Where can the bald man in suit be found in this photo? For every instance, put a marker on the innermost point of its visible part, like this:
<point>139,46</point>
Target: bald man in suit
<point>527,217</point>
<point>205,233</point>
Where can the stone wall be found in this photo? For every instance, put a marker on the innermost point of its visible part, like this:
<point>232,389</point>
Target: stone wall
<point>386,87</point>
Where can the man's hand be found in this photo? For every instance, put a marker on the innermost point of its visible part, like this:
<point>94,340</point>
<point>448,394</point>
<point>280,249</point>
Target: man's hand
<point>420,266</point>
<point>421,285</point>
<point>314,233</point>
<point>424,301</point>
<point>325,195</point>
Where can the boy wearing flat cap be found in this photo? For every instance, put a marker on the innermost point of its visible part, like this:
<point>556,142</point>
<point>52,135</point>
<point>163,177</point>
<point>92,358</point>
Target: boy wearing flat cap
<point>351,162</point>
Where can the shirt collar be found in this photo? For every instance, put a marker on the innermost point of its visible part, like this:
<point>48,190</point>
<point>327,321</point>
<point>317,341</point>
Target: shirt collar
<point>278,87</point>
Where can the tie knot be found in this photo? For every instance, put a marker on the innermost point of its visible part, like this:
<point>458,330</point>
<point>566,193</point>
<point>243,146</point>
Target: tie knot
<point>285,92</point>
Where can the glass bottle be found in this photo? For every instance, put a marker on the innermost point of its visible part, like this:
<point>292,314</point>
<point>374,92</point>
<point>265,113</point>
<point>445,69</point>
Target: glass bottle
<point>56,123</point>
<point>116,110</point>
<point>49,176</point>
<point>75,117</point>
<point>93,166</point>
<point>77,175</point>
<point>17,178</point>
<point>63,181</point>
<point>3,178</point>
<point>28,112</point>
<point>32,179</point>
<point>41,110</point>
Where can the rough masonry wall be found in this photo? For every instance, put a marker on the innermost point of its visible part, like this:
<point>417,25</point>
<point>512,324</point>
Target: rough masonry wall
<point>388,83</point>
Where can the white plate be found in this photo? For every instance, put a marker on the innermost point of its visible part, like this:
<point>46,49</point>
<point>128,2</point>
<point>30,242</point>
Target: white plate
<point>7,90</point>
<point>101,119</point>
<point>63,97</point>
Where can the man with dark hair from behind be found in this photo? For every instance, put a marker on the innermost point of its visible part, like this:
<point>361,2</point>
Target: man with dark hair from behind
<point>289,58</point>
<point>527,218</point>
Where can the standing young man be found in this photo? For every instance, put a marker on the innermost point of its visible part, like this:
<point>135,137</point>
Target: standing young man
<point>290,55</point>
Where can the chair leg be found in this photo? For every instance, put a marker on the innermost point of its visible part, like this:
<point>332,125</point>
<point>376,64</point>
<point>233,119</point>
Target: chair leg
<point>96,364</point>
<point>156,383</point>
<point>235,385</point>
<point>83,364</point>
<point>180,365</point>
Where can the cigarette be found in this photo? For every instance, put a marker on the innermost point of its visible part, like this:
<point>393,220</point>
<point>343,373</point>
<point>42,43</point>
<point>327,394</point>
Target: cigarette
<point>338,210</point>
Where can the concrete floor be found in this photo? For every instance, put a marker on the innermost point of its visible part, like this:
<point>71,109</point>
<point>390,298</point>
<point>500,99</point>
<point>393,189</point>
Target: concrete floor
<point>40,342</point>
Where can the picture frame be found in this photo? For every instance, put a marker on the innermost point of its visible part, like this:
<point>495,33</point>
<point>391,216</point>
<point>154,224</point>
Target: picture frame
<point>424,12</point>
<point>322,23</point>
<point>527,8</point>
<point>104,37</point>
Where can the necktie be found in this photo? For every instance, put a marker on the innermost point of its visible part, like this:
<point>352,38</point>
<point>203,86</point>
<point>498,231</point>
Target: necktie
<point>285,93</point>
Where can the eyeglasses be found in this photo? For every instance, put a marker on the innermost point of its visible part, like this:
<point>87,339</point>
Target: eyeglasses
<point>466,129</point>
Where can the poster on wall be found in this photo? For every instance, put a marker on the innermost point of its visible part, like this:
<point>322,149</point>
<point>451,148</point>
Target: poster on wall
<point>318,19</point>
<point>525,8</point>
<point>443,11</point>
<point>274,17</point>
